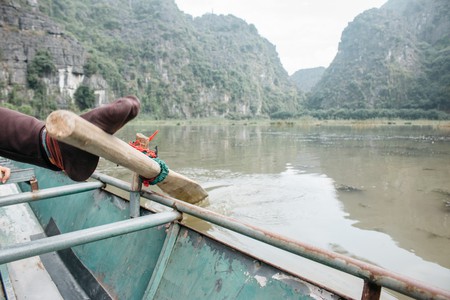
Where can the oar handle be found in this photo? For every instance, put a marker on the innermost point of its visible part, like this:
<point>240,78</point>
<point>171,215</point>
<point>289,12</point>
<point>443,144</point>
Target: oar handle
<point>68,127</point>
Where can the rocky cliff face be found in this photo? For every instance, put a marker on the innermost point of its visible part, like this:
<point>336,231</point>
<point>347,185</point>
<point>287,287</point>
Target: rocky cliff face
<point>245,71</point>
<point>23,32</point>
<point>180,67</point>
<point>397,56</point>
<point>393,57</point>
<point>306,79</point>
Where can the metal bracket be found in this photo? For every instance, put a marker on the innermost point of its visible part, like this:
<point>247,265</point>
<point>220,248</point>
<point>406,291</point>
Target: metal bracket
<point>21,175</point>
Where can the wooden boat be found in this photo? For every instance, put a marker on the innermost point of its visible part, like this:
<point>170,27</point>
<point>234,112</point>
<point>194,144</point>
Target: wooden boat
<point>95,244</point>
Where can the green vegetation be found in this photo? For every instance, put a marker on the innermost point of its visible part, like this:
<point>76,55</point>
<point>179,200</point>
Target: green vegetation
<point>41,67</point>
<point>368,114</point>
<point>178,66</point>
<point>84,97</point>
<point>365,114</point>
<point>40,102</point>
<point>387,61</point>
<point>219,66</point>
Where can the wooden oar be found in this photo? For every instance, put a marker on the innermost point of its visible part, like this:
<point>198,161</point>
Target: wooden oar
<point>68,127</point>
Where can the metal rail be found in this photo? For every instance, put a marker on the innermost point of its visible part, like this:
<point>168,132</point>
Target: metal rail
<point>374,277</point>
<point>112,181</point>
<point>49,193</point>
<point>84,236</point>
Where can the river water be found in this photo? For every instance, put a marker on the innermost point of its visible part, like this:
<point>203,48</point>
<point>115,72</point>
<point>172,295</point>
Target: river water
<point>380,194</point>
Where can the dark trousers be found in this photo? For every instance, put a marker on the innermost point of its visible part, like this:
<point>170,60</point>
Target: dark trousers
<point>20,138</point>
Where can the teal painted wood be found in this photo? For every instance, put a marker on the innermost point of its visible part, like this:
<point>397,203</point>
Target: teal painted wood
<point>201,268</point>
<point>162,261</point>
<point>123,265</point>
<point>198,267</point>
<point>6,291</point>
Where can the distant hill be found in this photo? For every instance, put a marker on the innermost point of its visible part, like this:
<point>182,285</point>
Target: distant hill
<point>394,57</point>
<point>306,79</point>
<point>78,54</point>
<point>179,66</point>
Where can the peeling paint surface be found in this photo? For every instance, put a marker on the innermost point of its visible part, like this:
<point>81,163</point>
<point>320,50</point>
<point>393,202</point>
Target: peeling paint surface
<point>210,270</point>
<point>261,280</point>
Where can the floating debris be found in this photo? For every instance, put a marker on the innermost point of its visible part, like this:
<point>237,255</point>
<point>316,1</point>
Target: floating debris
<point>347,188</point>
<point>442,192</point>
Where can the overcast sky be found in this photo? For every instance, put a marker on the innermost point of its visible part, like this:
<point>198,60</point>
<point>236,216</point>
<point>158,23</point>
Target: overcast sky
<point>306,33</point>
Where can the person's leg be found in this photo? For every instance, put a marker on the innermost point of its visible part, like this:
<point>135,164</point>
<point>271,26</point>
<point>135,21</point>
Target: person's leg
<point>78,164</point>
<point>21,137</point>
<point>111,117</point>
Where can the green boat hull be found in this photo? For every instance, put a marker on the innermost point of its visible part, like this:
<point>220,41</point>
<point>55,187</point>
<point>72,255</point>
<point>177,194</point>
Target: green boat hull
<point>164,258</point>
<point>196,266</point>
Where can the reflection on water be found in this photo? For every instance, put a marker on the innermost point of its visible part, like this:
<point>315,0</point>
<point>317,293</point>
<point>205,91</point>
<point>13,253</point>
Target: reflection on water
<point>377,194</point>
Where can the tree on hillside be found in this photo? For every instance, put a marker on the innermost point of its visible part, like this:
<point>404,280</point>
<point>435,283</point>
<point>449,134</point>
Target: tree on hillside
<point>84,97</point>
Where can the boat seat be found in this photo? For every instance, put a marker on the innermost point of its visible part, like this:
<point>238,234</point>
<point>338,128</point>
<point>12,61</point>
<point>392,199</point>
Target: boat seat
<point>25,278</point>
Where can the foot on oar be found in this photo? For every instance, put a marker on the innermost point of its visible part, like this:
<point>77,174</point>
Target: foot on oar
<point>78,164</point>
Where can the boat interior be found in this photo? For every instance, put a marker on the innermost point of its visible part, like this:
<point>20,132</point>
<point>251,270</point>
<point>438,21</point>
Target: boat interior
<point>110,239</point>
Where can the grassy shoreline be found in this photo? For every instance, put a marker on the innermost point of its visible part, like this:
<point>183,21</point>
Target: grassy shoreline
<point>294,122</point>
